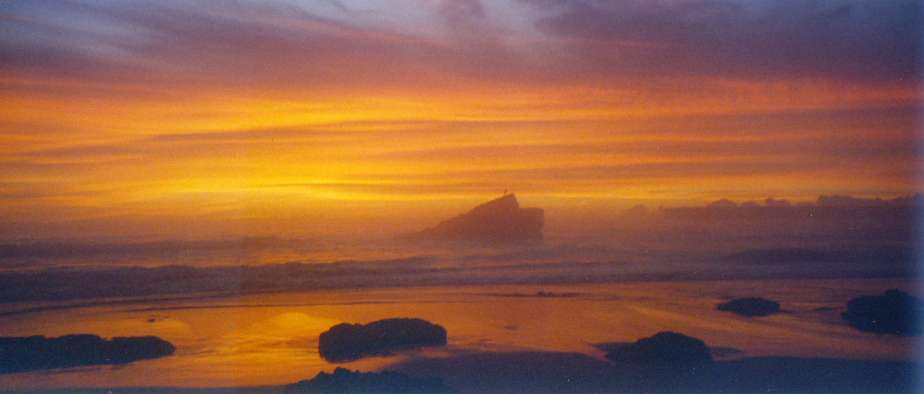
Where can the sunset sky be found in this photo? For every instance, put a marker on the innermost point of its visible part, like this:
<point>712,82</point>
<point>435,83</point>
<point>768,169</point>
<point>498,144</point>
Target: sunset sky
<point>176,117</point>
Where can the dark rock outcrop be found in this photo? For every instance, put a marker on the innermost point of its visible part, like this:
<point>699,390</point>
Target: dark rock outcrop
<point>345,381</point>
<point>345,342</point>
<point>20,354</point>
<point>750,306</point>
<point>663,349</point>
<point>500,220</point>
<point>894,312</point>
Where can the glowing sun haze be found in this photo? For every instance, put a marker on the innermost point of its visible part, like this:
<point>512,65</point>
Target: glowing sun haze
<point>244,116</point>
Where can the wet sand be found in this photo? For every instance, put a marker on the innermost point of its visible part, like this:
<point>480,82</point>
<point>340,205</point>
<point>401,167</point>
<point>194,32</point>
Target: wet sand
<point>271,339</point>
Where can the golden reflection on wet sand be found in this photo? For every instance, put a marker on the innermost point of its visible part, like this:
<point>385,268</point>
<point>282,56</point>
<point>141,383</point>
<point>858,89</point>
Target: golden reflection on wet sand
<point>272,338</point>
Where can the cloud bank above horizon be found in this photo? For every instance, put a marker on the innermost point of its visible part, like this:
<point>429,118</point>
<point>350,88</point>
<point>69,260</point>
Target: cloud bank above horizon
<point>155,114</point>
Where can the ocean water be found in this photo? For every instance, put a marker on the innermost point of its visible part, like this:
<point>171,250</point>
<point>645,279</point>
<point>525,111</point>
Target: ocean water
<point>36,276</point>
<point>271,339</point>
<point>248,312</point>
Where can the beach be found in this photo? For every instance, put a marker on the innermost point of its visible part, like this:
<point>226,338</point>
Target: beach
<point>272,339</point>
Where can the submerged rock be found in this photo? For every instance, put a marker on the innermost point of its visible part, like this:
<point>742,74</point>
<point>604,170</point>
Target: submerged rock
<point>663,349</point>
<point>894,312</point>
<point>750,306</point>
<point>500,220</point>
<point>345,381</point>
<point>345,342</point>
<point>19,354</point>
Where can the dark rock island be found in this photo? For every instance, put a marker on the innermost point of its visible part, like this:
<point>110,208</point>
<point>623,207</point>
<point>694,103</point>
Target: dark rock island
<point>20,354</point>
<point>500,220</point>
<point>346,381</point>
<point>663,349</point>
<point>894,312</point>
<point>750,306</point>
<point>346,342</point>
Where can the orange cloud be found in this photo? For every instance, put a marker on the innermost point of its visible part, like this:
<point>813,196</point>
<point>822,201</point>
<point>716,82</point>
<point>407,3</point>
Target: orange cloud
<point>169,110</point>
